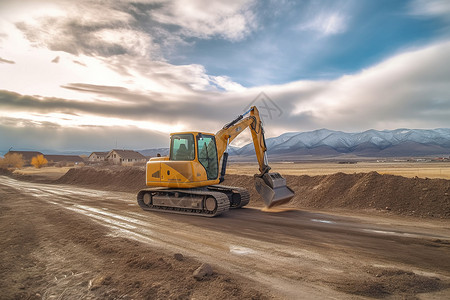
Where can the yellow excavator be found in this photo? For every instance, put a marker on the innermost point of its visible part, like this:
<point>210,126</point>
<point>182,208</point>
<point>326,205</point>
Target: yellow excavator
<point>187,181</point>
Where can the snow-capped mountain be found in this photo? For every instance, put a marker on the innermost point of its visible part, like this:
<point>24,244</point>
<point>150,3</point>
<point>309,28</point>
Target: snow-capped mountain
<point>155,151</point>
<point>371,143</point>
<point>399,142</point>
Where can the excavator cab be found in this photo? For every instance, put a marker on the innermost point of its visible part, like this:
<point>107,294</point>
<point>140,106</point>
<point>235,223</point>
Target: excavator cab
<point>183,146</point>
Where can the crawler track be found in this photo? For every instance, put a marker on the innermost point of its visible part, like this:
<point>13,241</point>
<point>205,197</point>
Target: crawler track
<point>221,199</point>
<point>238,196</point>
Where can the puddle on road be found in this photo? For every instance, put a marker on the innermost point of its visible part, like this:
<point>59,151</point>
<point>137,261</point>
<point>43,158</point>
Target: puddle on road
<point>239,250</point>
<point>392,233</point>
<point>323,221</point>
<point>133,236</point>
<point>276,209</point>
<point>112,215</point>
<point>103,219</point>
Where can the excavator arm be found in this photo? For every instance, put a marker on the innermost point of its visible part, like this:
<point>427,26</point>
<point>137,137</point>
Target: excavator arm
<point>271,186</point>
<point>231,130</point>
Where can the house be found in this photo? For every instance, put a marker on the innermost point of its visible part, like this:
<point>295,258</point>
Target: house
<point>26,155</point>
<point>125,157</point>
<point>97,156</point>
<point>63,159</point>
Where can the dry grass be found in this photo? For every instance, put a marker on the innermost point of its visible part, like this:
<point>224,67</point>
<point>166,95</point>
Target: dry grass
<point>406,169</point>
<point>50,173</point>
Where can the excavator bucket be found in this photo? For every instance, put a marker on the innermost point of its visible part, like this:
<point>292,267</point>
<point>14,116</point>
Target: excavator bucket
<point>273,189</point>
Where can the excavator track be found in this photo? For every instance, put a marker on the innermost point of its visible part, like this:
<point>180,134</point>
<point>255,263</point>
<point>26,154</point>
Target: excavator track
<point>238,196</point>
<point>197,202</point>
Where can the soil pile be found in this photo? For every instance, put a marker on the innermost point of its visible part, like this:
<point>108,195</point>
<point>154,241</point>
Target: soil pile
<point>5,172</point>
<point>115,178</point>
<point>382,282</point>
<point>400,195</point>
<point>363,191</point>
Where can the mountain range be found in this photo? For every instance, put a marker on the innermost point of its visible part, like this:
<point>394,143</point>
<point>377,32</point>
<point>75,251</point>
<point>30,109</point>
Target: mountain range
<point>329,143</point>
<point>154,152</point>
<point>371,143</point>
<point>325,143</point>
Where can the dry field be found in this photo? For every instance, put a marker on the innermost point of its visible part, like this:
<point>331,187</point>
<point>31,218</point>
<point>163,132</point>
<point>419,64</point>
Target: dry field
<point>44,173</point>
<point>406,169</point>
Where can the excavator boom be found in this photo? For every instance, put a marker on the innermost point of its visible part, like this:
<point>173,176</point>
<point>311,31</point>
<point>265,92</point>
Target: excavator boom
<point>270,185</point>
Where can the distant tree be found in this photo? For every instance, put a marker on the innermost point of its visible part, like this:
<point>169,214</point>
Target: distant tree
<point>13,160</point>
<point>39,161</point>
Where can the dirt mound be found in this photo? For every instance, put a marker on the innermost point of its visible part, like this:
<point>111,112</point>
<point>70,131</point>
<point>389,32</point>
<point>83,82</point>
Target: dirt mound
<point>407,196</point>
<point>9,173</point>
<point>382,282</point>
<point>396,194</point>
<point>126,179</point>
<point>5,172</point>
<point>362,191</point>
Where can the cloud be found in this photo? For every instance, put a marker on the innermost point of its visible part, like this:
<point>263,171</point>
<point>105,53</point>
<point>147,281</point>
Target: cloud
<point>126,46</point>
<point>408,90</point>
<point>225,83</point>
<point>6,61</point>
<point>52,137</point>
<point>79,63</point>
<point>77,28</point>
<point>72,36</point>
<point>323,19</point>
<point>178,80</point>
<point>148,29</point>
<point>129,107</point>
<point>431,8</point>
<point>325,24</point>
<point>231,20</point>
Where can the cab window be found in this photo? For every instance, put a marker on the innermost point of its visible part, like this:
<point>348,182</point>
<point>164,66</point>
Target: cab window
<point>207,155</point>
<point>182,147</point>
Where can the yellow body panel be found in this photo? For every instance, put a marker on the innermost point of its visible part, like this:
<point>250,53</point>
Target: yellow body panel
<point>177,174</point>
<point>162,172</point>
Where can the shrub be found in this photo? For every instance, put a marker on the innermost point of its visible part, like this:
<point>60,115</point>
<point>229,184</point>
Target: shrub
<point>13,160</point>
<point>39,161</point>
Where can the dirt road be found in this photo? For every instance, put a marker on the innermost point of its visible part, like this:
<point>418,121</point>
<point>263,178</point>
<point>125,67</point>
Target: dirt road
<point>289,254</point>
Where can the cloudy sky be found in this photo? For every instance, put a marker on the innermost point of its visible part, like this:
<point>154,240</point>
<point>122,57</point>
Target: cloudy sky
<point>94,75</point>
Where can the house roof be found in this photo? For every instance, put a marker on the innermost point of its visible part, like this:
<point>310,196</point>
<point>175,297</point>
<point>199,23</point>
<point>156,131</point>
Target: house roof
<point>27,155</point>
<point>99,153</point>
<point>128,154</point>
<point>57,158</point>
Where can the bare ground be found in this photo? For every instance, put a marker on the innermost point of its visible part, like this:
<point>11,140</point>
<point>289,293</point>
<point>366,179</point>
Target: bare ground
<point>49,252</point>
<point>430,169</point>
<point>65,242</point>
